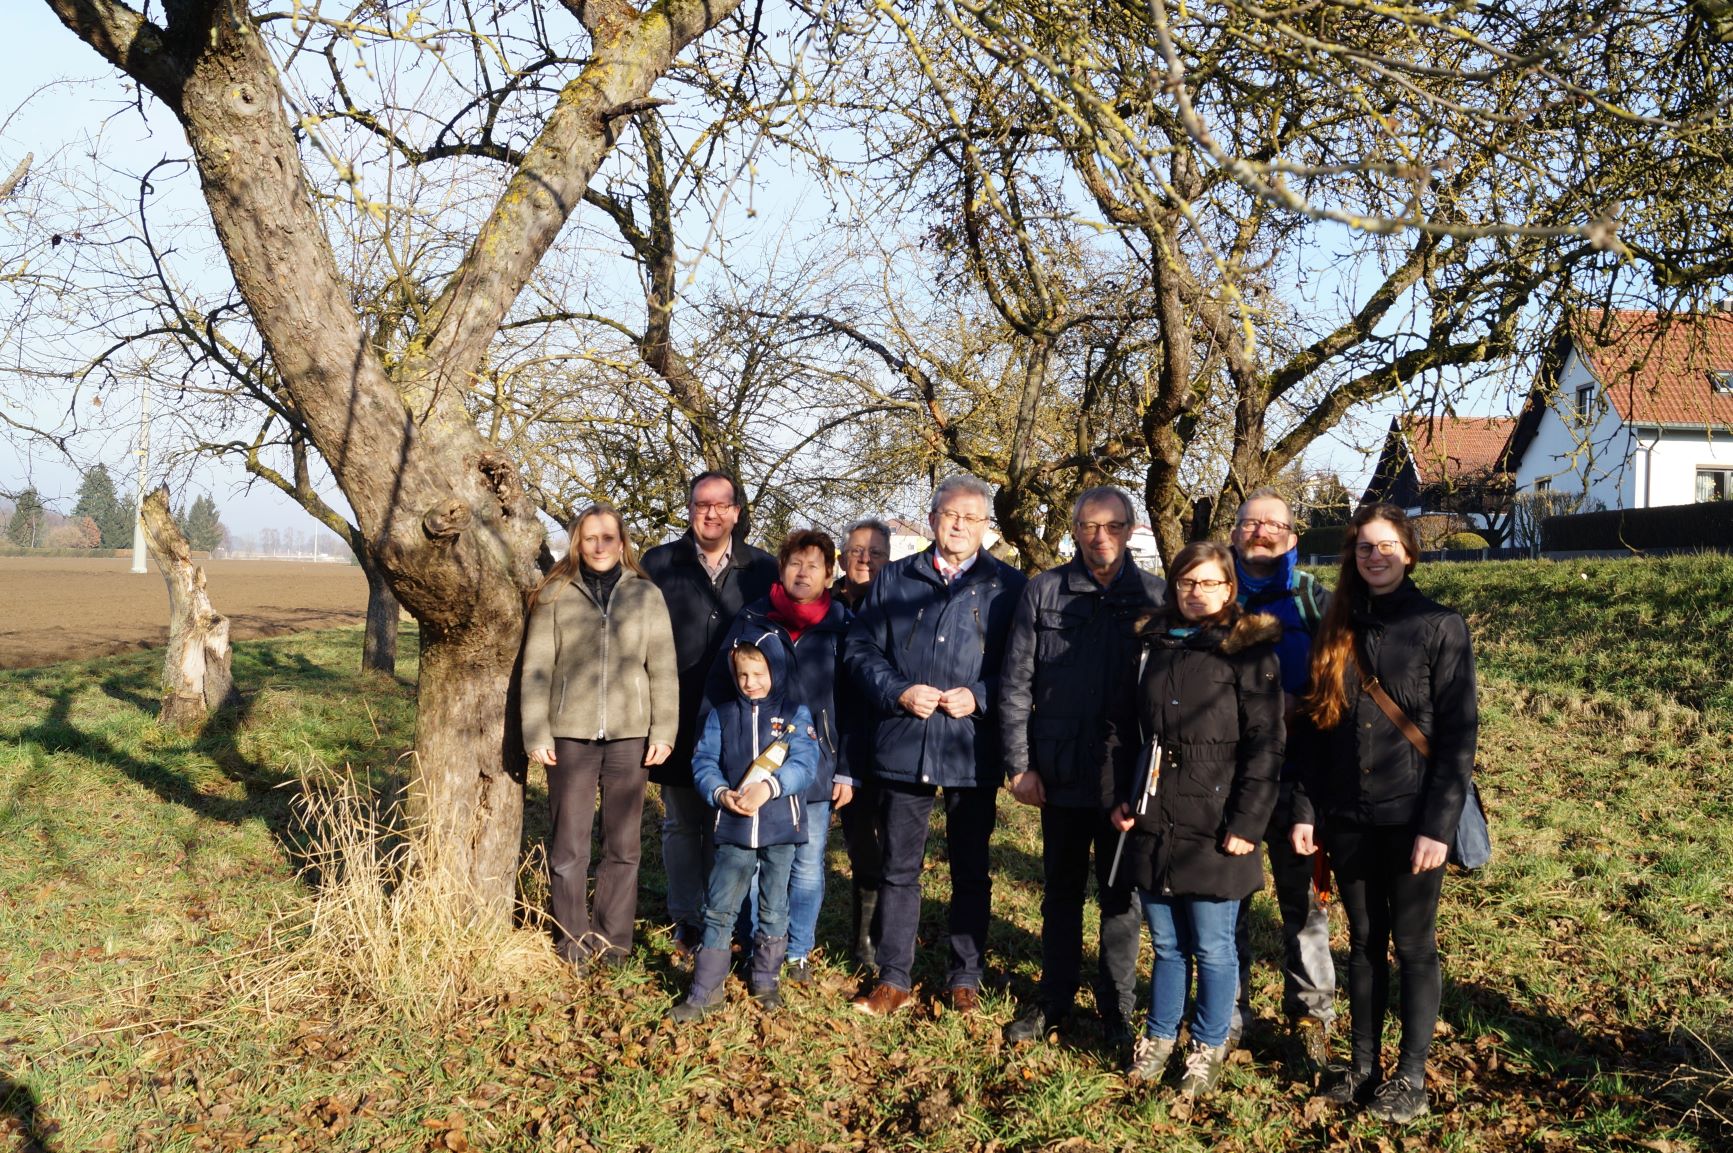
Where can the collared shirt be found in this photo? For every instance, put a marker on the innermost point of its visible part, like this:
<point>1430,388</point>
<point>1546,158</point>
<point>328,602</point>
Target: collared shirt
<point>716,570</point>
<point>952,572</point>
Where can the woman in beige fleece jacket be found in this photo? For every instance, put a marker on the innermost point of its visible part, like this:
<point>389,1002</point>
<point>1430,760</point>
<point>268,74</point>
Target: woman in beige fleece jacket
<point>601,703</point>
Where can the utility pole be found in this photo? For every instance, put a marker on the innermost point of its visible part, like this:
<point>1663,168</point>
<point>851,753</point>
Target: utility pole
<point>138,547</point>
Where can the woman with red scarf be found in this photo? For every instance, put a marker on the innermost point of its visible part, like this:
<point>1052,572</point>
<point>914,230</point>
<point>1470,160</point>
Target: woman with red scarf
<point>812,624</point>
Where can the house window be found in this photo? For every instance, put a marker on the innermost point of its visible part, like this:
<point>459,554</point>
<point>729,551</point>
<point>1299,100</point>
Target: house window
<point>1722,382</point>
<point>1544,484</point>
<point>1585,401</point>
<point>1714,484</point>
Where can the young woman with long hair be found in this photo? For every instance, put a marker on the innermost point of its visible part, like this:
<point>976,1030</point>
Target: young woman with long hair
<point>1384,811</point>
<point>601,703</point>
<point>1210,700</point>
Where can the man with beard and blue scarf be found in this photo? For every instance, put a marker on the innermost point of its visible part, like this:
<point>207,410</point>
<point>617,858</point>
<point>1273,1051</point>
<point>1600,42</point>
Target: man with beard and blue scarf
<point>1265,548</point>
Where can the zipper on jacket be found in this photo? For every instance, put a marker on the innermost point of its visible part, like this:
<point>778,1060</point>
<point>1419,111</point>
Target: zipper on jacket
<point>753,838</point>
<point>914,628</point>
<point>607,627</point>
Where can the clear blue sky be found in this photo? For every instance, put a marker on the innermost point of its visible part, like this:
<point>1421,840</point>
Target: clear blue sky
<point>56,94</point>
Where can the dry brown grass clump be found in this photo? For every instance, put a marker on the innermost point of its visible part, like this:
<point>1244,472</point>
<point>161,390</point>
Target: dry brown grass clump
<point>386,927</point>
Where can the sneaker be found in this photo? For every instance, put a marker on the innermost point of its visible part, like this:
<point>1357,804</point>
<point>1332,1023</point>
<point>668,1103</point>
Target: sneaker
<point>1399,1100</point>
<point>798,972</point>
<point>1351,1087</point>
<point>1149,1058</point>
<point>1203,1068</point>
<point>1034,1022</point>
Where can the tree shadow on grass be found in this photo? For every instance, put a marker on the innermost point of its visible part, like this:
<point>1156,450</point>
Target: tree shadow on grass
<point>135,685</point>
<point>1570,1067</point>
<point>20,1118</point>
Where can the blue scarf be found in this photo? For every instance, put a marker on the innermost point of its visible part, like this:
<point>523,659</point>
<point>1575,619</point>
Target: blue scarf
<point>1273,594</point>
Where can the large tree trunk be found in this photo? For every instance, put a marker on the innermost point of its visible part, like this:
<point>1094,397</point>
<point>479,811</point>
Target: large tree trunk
<point>196,680</point>
<point>379,642</point>
<point>446,517</point>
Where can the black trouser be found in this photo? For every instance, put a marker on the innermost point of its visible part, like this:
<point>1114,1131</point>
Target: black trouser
<point>1067,836</point>
<point>619,768</point>
<point>1386,901</point>
<point>969,817</point>
<point>863,831</point>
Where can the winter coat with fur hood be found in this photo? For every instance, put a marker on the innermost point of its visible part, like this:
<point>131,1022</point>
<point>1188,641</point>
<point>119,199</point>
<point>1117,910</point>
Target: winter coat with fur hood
<point>1213,699</point>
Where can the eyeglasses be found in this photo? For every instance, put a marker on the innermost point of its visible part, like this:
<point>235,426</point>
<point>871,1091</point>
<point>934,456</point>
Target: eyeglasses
<point>1253,524</point>
<point>1091,527</point>
<point>716,506</point>
<point>952,516</point>
<point>1381,547</point>
<point>1188,584</point>
<point>865,553</point>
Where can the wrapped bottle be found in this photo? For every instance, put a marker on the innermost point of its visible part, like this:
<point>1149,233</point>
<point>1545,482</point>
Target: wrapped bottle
<point>764,766</point>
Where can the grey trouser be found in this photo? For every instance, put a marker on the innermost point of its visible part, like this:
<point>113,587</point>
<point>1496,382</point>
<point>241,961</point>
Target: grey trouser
<point>1308,972</point>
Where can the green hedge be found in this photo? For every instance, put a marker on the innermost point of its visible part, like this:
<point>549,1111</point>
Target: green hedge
<point>1324,541</point>
<point>1679,526</point>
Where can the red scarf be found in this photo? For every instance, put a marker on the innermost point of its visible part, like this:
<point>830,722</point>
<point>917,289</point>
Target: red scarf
<point>796,618</point>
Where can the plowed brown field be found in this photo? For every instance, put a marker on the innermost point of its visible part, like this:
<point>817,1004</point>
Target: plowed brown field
<point>58,609</point>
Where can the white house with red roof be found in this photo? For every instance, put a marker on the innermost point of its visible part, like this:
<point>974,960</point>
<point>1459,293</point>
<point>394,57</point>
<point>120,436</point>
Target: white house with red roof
<point>1634,411</point>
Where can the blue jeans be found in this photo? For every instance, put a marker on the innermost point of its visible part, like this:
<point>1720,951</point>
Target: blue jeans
<point>731,876</point>
<point>806,882</point>
<point>1198,931</point>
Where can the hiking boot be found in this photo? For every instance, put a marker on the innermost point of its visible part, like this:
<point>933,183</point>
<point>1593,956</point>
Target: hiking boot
<point>1115,1033</point>
<point>1313,1034</point>
<point>686,940</point>
<point>1203,1068</point>
<point>1035,1021</point>
<point>798,972</point>
<point>1351,1087</point>
<point>1399,1100</point>
<point>1149,1058</point>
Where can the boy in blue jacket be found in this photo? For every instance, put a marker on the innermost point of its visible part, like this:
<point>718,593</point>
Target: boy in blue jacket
<point>758,826</point>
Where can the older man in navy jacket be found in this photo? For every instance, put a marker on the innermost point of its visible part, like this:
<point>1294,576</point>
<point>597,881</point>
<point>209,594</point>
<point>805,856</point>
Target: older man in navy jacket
<point>926,650</point>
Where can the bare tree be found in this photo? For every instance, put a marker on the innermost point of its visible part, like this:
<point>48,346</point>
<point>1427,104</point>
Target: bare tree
<point>444,515</point>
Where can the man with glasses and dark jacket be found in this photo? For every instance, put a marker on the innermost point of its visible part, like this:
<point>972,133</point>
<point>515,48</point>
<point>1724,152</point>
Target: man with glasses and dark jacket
<point>926,650</point>
<point>1071,651</point>
<point>1266,554</point>
<point>706,576</point>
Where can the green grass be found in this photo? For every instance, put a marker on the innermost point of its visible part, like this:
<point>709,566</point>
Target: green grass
<point>151,903</point>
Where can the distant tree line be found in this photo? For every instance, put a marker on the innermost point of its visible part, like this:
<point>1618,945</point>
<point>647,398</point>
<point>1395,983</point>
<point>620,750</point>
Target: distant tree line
<point>102,518</point>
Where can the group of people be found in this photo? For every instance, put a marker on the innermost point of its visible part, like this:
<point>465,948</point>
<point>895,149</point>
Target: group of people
<point>1164,729</point>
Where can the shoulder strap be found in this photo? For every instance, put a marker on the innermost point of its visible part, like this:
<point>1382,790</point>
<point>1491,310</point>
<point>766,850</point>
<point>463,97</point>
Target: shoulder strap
<point>1370,686</point>
<point>1310,595</point>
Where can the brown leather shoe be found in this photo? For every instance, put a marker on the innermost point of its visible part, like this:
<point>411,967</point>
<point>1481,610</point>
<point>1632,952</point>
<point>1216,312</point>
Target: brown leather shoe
<point>884,1000</point>
<point>962,999</point>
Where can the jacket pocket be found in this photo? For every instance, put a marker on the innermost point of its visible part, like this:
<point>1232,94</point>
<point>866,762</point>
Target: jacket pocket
<point>1057,748</point>
<point>1056,637</point>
